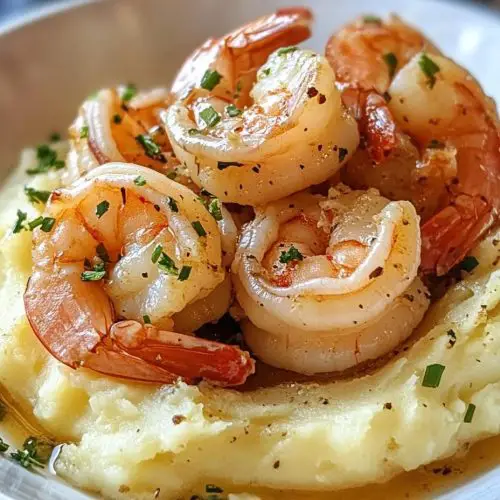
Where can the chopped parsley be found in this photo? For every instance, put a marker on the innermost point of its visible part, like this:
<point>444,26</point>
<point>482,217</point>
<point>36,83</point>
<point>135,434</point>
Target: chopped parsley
<point>343,152</point>
<point>84,132</point>
<point>221,165</point>
<point>140,181</point>
<point>96,273</point>
<point>266,71</point>
<point>156,254</point>
<point>372,19</point>
<point>432,376</point>
<point>35,452</point>
<point>194,131</point>
<point>35,222</point>
<point>166,264</point>
<point>102,253</point>
<point>184,274</point>
<point>212,488</point>
<point>55,137</point>
<point>429,68</point>
<point>199,228</point>
<point>210,116</point>
<point>233,111</point>
<point>172,204</point>
<point>150,147</point>
<point>146,319</point>
<point>3,446</point>
<point>102,208</point>
<point>210,79</point>
<point>286,50</point>
<point>128,92</point>
<point>47,224</point>
<point>36,196</point>
<point>469,263</point>
<point>172,175</point>
<point>452,337</point>
<point>471,408</point>
<point>392,62</point>
<point>214,209</point>
<point>290,255</point>
<point>20,222</point>
<point>117,119</point>
<point>435,144</point>
<point>47,160</point>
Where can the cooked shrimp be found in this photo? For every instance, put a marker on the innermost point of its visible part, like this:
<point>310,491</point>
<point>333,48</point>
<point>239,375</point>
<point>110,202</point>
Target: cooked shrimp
<point>237,56</point>
<point>328,283</point>
<point>295,134</point>
<point>128,252</point>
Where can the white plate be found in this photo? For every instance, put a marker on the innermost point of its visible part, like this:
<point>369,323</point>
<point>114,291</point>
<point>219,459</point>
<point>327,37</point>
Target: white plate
<point>52,59</point>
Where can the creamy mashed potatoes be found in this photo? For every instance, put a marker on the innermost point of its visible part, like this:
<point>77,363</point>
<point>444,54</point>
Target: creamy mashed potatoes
<point>130,439</point>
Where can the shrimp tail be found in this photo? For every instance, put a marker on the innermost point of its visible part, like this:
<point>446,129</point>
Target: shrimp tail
<point>453,231</point>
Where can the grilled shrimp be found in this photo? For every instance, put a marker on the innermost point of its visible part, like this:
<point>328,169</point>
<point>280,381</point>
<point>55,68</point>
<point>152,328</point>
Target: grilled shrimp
<point>295,134</point>
<point>327,283</point>
<point>129,267</point>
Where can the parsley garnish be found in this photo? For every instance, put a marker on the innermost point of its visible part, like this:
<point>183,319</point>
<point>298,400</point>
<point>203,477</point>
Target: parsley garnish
<point>156,254</point>
<point>128,92</point>
<point>95,274</point>
<point>102,208</point>
<point>215,209</point>
<point>84,132</point>
<point>194,131</point>
<point>36,196</point>
<point>101,252</point>
<point>286,50</point>
<point>471,408</point>
<point>117,119</point>
<point>150,147</point>
<point>432,376</point>
<point>233,111</point>
<point>47,159</point>
<point>343,152</point>
<point>172,175</point>
<point>184,274</point>
<point>469,263</point>
<point>210,116</point>
<point>210,79</point>
<point>212,488</point>
<point>453,337</point>
<point>3,446</point>
<point>266,71</point>
<point>167,264</point>
<point>392,62</point>
<point>290,255</point>
<point>19,225</point>
<point>172,204</point>
<point>140,181</point>
<point>55,137</point>
<point>35,452</point>
<point>429,68</point>
<point>372,20</point>
<point>146,319</point>
<point>199,228</point>
<point>47,224</point>
<point>221,165</point>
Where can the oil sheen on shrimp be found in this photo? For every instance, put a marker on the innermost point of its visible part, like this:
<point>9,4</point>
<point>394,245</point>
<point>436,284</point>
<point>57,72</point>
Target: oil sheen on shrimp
<point>132,265</point>
<point>295,134</point>
<point>327,283</point>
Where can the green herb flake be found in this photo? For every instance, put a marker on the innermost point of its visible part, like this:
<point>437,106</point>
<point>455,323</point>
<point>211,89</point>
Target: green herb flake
<point>128,92</point>
<point>102,208</point>
<point>194,131</point>
<point>47,160</point>
<point>117,119</point>
<point>156,254</point>
<point>392,62</point>
<point>47,224</point>
<point>20,222</point>
<point>39,448</point>
<point>102,253</point>
<point>140,181</point>
<point>55,137</point>
<point>172,204</point>
<point>233,111</point>
<point>432,376</point>
<point>146,319</point>
<point>290,255</point>
<point>452,338</point>
<point>35,222</point>
<point>199,228</point>
<point>469,263</point>
<point>172,175</point>
<point>266,71</point>
<point>343,152</point>
<point>210,79</point>
<point>221,165</point>
<point>3,446</point>
<point>184,274</point>
<point>214,208</point>
<point>210,116</point>
<point>36,196</point>
<point>286,50</point>
<point>429,68</point>
<point>150,147</point>
<point>166,264</point>
<point>372,19</point>
<point>84,132</point>
<point>471,408</point>
<point>212,488</point>
<point>97,273</point>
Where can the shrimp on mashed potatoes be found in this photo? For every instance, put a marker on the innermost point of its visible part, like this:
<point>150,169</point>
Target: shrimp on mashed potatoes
<point>327,283</point>
<point>433,138</point>
<point>129,267</point>
<point>293,131</point>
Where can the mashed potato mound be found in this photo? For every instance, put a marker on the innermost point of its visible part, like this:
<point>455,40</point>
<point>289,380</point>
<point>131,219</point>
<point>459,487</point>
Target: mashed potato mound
<point>130,439</point>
